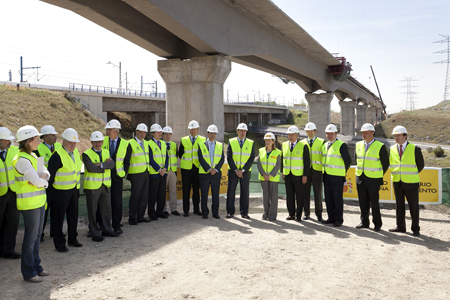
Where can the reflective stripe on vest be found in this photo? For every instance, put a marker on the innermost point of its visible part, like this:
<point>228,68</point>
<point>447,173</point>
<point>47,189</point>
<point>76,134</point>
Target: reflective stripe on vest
<point>369,162</point>
<point>45,151</point>
<point>190,155</point>
<point>405,170</point>
<point>93,181</point>
<point>269,163</point>
<point>68,176</point>
<point>218,151</point>
<point>139,161</point>
<point>293,161</point>
<point>121,152</point>
<point>241,155</point>
<point>332,161</point>
<point>173,156</point>
<point>28,196</point>
<point>315,153</point>
<point>159,155</point>
<point>7,175</point>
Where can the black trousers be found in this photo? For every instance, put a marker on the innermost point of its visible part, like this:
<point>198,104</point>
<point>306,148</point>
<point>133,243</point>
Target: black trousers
<point>206,180</point>
<point>98,202</point>
<point>295,192</point>
<point>116,201</point>
<point>47,211</point>
<point>139,195</point>
<point>315,180</point>
<point>189,178</point>
<point>244,192</point>
<point>334,197</point>
<point>157,195</point>
<point>368,195</point>
<point>65,203</point>
<point>9,222</point>
<point>401,191</point>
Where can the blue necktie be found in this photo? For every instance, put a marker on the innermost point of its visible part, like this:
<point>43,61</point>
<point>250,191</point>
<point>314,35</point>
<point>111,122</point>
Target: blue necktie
<point>112,148</point>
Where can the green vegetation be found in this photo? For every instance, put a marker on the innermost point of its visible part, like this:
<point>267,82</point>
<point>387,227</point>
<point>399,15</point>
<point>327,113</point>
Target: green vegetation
<point>438,151</point>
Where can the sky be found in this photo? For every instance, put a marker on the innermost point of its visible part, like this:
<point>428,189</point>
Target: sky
<point>395,37</point>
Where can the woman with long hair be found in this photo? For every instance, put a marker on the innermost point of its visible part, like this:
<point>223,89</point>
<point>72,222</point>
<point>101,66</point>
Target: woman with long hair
<point>31,201</point>
<point>269,174</point>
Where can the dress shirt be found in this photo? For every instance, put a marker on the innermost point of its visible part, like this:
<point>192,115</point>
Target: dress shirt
<point>211,148</point>
<point>367,145</point>
<point>311,141</point>
<point>141,143</point>
<point>193,138</point>
<point>404,146</point>
<point>331,143</point>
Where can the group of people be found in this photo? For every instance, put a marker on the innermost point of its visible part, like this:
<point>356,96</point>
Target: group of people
<point>35,189</point>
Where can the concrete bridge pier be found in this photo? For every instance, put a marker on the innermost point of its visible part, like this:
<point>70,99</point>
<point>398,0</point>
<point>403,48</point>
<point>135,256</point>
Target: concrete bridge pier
<point>319,110</point>
<point>194,92</point>
<point>348,117</point>
<point>371,115</point>
<point>361,116</point>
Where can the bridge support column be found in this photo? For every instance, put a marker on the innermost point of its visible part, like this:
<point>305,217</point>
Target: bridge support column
<point>348,117</point>
<point>260,119</point>
<point>371,115</point>
<point>319,110</point>
<point>361,115</point>
<point>194,92</point>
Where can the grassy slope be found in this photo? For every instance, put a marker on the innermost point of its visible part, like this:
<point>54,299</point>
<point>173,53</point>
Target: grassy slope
<point>40,107</point>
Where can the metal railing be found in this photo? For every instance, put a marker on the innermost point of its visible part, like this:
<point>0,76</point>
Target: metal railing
<point>111,90</point>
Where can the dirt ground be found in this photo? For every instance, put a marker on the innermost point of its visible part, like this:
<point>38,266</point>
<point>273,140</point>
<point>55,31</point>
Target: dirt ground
<point>192,258</point>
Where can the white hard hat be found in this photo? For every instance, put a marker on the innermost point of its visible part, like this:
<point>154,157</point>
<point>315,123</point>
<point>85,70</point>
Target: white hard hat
<point>70,135</point>
<point>292,129</point>
<point>213,129</point>
<point>269,136</point>
<point>367,127</point>
<point>399,130</point>
<point>48,129</point>
<point>113,124</point>
<point>167,129</point>
<point>155,127</point>
<point>5,134</point>
<point>331,128</point>
<point>26,132</point>
<point>96,136</point>
<point>242,126</point>
<point>193,124</point>
<point>310,126</point>
<point>142,127</point>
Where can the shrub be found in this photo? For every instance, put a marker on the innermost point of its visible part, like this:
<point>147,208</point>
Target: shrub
<point>438,151</point>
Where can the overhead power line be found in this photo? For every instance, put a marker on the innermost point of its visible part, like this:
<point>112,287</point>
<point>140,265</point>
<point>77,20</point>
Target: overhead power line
<point>447,61</point>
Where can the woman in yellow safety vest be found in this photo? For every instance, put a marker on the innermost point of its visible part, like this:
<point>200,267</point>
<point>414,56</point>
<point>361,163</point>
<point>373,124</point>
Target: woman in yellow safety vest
<point>31,201</point>
<point>269,173</point>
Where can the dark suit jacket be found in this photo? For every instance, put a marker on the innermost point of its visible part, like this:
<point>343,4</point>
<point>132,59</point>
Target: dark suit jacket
<point>232,166</point>
<point>206,166</point>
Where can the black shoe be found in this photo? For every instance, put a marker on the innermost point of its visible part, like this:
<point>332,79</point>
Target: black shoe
<point>132,222</point>
<point>121,225</point>
<point>361,225</point>
<point>305,218</point>
<point>186,215</point>
<point>118,230</point>
<point>416,233</point>
<point>337,224</point>
<point>175,213</point>
<point>229,216</point>
<point>98,238</point>
<point>290,218</point>
<point>377,228</point>
<point>76,244</point>
<point>89,234</point>
<point>143,220</point>
<point>42,238</point>
<point>153,219</point>
<point>298,220</point>
<point>63,249</point>
<point>397,229</point>
<point>205,217</point>
<point>12,255</point>
<point>199,213</point>
<point>163,216</point>
<point>328,222</point>
<point>110,234</point>
<point>245,216</point>
<point>216,216</point>
<point>166,213</point>
<point>320,219</point>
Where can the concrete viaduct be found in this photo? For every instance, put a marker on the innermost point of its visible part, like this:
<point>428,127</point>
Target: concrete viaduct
<point>198,39</point>
<point>150,110</point>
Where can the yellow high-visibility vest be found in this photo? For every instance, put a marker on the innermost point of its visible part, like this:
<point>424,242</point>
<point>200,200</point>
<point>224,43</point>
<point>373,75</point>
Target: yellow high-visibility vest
<point>293,161</point>
<point>241,155</point>
<point>332,161</point>
<point>45,151</point>
<point>218,151</point>
<point>93,181</point>
<point>120,154</point>
<point>190,155</point>
<point>28,196</point>
<point>404,170</point>
<point>315,153</point>
<point>172,156</point>
<point>269,163</point>
<point>369,162</point>
<point>139,161</point>
<point>159,155</point>
<point>7,175</point>
<point>69,175</point>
